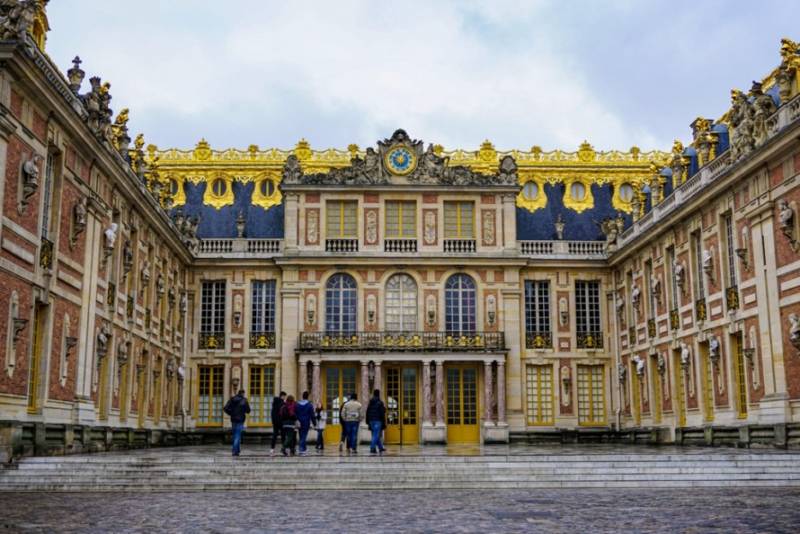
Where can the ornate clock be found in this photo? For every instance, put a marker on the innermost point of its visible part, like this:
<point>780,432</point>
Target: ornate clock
<point>400,160</point>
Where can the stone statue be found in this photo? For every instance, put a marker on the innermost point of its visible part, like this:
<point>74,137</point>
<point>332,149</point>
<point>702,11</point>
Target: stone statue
<point>610,230</point>
<point>794,330</point>
<point>762,109</point>
<point>160,285</point>
<point>30,177</point>
<point>507,174</point>
<point>620,303</point>
<point>636,295</point>
<point>103,337</point>
<point>145,273</point>
<point>680,273</point>
<point>713,348</point>
<point>171,368</point>
<point>790,62</point>
<point>786,217</point>
<point>636,204</point>
<point>560,224</point>
<point>741,121</point>
<point>122,353</point>
<point>184,304</point>
<point>655,286</point>
<point>171,296</point>
<point>622,372</point>
<point>16,19</point>
<point>708,262</point>
<point>686,355</point>
<point>127,256</point>
<point>661,364</point>
<point>640,363</point>
<point>678,163</point>
<point>119,130</point>
<point>292,173</point>
<point>111,237</point>
<point>79,217</point>
<point>432,164</point>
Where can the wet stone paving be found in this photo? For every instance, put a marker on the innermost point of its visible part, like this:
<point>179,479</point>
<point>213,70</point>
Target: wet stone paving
<point>649,510</point>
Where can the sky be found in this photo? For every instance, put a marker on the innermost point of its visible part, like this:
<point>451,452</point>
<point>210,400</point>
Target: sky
<point>617,73</point>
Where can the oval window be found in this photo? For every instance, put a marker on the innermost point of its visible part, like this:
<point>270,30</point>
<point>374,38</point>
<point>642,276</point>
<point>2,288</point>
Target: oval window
<point>577,191</point>
<point>530,190</point>
<point>626,192</point>
<point>218,187</point>
<point>266,187</point>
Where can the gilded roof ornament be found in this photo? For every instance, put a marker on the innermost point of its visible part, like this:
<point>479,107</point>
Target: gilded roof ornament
<point>202,151</point>
<point>303,150</point>
<point>586,152</point>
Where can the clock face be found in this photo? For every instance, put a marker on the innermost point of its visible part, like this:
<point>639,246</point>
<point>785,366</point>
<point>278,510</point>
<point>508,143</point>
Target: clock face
<point>400,160</point>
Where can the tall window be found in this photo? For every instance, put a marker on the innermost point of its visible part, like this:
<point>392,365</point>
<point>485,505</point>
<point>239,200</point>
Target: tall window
<point>651,296</point>
<point>673,287</point>
<point>212,307</point>
<point>698,272</point>
<point>459,220</point>
<point>209,398</point>
<point>340,304</point>
<point>342,219</point>
<point>540,394</point>
<point>262,388</point>
<point>587,306</point>
<point>47,193</point>
<point>537,306</point>
<point>459,296</point>
<point>591,395</point>
<point>730,250</point>
<point>401,219</point>
<point>263,306</point>
<point>401,304</point>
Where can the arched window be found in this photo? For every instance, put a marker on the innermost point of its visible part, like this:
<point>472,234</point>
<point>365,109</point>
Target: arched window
<point>340,304</point>
<point>401,304</point>
<point>459,302</point>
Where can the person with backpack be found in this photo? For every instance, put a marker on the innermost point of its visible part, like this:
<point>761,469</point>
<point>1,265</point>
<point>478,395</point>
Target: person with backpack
<point>322,419</point>
<point>277,429</point>
<point>376,421</point>
<point>288,418</point>
<point>237,408</point>
<point>305,417</point>
<point>351,415</point>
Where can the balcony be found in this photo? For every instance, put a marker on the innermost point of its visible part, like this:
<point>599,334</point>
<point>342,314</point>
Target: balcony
<point>538,340</point>
<point>212,340</point>
<point>401,246</point>
<point>239,248</point>
<point>341,245</point>
<point>460,246</point>
<point>590,340</point>
<point>403,341</point>
<point>563,249</point>
<point>262,340</point>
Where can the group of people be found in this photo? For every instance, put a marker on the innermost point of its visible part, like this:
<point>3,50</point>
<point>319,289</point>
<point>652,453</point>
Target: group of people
<point>290,418</point>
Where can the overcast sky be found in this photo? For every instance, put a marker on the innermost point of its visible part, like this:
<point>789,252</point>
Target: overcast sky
<point>520,73</point>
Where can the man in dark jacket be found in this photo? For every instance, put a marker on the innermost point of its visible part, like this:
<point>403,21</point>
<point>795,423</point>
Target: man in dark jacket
<point>376,421</point>
<point>306,417</point>
<point>277,427</point>
<point>237,408</point>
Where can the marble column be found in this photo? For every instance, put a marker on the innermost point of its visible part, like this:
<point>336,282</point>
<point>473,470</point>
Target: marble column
<point>488,392</point>
<point>426,391</point>
<point>364,393</point>
<point>501,391</point>
<point>378,382</point>
<point>440,392</point>
<point>303,378</point>
<point>316,390</point>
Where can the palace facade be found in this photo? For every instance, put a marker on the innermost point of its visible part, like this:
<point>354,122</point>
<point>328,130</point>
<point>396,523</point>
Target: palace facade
<point>491,296</point>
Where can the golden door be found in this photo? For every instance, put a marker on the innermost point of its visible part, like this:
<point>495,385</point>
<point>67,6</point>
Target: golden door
<point>36,359</point>
<point>462,404</point>
<point>340,382</point>
<point>402,417</point>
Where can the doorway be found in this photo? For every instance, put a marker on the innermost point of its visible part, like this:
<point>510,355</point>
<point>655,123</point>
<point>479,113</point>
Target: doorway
<point>402,417</point>
<point>462,404</point>
<point>340,382</point>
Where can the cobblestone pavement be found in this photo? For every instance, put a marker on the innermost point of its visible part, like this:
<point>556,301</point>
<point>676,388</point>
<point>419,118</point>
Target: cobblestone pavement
<point>725,510</point>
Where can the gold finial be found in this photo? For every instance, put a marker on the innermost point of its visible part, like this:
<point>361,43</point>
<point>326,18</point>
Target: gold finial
<point>635,151</point>
<point>139,142</point>
<point>202,151</point>
<point>586,152</point>
<point>486,152</point>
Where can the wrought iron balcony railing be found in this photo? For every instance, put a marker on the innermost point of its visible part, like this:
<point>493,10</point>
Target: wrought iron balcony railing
<point>212,340</point>
<point>262,340</point>
<point>403,341</point>
<point>590,340</point>
<point>538,340</point>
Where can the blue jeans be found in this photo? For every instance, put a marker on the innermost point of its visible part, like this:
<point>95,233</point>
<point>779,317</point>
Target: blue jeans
<point>351,429</point>
<point>237,438</point>
<point>303,438</point>
<point>377,428</point>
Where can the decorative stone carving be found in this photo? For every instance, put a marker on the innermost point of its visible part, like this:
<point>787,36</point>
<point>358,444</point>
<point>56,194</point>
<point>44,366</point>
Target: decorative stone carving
<point>171,368</point>
<point>75,75</point>
<point>170,295</point>
<point>160,286</point>
<point>787,71</point>
<point>187,227</point>
<point>622,373</point>
<point>708,263</point>
<point>145,272</point>
<point>241,223</point>
<point>661,364</point>
<point>741,122</point>
<point>488,227</point>
<point>491,309</point>
<point>16,19</point>
<point>311,309</point>
<point>794,330</point>
<point>110,238</point>
<point>430,310</point>
<point>566,385</point>
<point>184,304</point>
<point>680,274</point>
<point>636,297</point>
<point>238,306</point>
<point>705,141</point>
<point>610,229</point>
<point>678,164</point>
<point>312,227</point>
<point>787,220</point>
<point>103,337</point>
<point>29,182</point>
<point>429,233</point>
<point>372,306</point>
<point>563,312</point>
<point>620,303</point>
<point>713,348</point>
<point>97,102</point>
<point>655,287</point>
<point>371,234</point>
<point>119,133</point>
<point>686,355</point>
<point>417,165</point>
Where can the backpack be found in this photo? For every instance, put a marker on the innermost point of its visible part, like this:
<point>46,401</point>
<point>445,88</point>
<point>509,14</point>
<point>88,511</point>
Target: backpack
<point>351,412</point>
